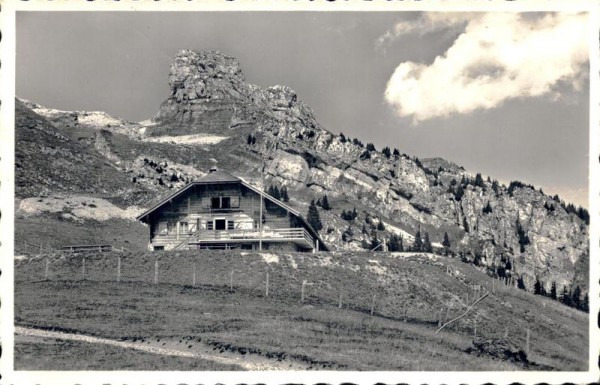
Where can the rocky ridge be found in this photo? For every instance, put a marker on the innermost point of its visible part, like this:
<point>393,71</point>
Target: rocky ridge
<point>209,95</point>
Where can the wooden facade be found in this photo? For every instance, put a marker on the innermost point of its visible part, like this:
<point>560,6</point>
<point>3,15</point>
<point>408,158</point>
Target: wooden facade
<point>220,211</point>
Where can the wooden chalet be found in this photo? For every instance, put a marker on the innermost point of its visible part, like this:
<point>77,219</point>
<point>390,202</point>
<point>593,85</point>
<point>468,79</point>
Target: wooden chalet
<point>221,211</point>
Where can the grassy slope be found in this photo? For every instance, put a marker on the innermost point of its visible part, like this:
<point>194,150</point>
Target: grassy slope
<point>58,355</point>
<point>50,230</point>
<point>317,331</point>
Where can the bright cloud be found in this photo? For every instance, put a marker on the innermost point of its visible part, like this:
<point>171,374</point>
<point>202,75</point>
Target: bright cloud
<point>499,56</point>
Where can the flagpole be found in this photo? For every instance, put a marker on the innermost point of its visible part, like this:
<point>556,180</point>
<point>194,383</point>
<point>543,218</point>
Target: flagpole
<point>262,186</point>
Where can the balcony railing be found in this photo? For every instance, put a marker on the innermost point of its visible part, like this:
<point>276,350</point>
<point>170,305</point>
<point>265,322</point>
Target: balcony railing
<point>231,236</point>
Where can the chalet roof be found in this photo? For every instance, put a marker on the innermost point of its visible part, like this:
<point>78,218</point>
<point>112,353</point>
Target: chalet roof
<point>218,177</point>
<point>225,177</point>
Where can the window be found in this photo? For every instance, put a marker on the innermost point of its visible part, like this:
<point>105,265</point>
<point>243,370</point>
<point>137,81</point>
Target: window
<point>183,227</point>
<point>171,227</point>
<point>157,248</point>
<point>209,225</point>
<point>220,224</point>
<point>217,203</point>
<point>162,228</point>
<point>230,225</point>
<point>225,202</point>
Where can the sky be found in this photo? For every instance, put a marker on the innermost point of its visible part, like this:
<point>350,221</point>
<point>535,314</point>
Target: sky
<point>504,94</point>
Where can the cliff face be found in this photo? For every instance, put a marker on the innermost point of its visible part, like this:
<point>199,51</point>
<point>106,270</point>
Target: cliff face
<point>209,96</point>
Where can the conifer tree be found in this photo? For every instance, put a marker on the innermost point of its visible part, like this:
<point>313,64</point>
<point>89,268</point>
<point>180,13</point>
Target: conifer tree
<point>396,153</point>
<point>325,203</point>
<point>446,244</point>
<point>537,287</point>
<point>553,290</point>
<point>521,284</point>
<point>395,243</point>
<point>418,242</point>
<point>427,247</point>
<point>585,305</point>
<point>386,151</point>
<point>313,218</point>
<point>479,180</point>
<point>284,194</point>
<point>487,209</point>
<point>380,226</point>
<point>459,192</point>
<point>565,296</point>
<point>576,298</point>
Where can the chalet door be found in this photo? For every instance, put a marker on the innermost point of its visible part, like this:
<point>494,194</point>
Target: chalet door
<point>220,224</point>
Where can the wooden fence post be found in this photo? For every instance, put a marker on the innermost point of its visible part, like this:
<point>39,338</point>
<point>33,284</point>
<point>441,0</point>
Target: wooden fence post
<point>302,291</point>
<point>47,268</point>
<point>156,272</point>
<point>119,270</point>
<point>267,285</point>
<point>340,300</point>
<point>373,304</point>
<point>527,342</point>
<point>194,276</point>
<point>231,281</point>
<point>83,269</point>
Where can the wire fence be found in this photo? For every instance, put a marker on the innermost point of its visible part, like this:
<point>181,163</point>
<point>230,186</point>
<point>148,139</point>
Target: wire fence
<point>401,290</point>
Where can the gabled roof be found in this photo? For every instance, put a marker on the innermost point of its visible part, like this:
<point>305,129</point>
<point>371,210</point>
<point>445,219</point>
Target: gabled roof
<point>219,176</point>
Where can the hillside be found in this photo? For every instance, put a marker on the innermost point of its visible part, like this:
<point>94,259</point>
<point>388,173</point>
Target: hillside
<point>360,311</point>
<point>213,113</point>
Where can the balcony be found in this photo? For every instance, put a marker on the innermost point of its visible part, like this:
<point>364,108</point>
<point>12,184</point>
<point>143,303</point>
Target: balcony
<point>299,236</point>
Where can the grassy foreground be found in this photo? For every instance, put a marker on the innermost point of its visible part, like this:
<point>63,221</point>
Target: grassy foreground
<point>228,309</point>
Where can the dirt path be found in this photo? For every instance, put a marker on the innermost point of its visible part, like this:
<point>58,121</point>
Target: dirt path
<point>201,351</point>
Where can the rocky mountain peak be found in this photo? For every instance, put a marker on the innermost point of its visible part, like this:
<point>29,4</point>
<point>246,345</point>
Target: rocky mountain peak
<point>204,75</point>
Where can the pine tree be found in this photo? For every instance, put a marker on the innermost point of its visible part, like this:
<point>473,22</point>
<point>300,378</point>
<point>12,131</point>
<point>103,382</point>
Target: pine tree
<point>521,284</point>
<point>313,218</point>
<point>371,147</point>
<point>395,243</point>
<point>479,180</point>
<point>537,287</point>
<point>386,151</point>
<point>418,242</point>
<point>249,139</point>
<point>380,226</point>
<point>348,234</point>
<point>565,296</point>
<point>459,192</point>
<point>585,305</point>
<point>495,187</point>
<point>576,298</point>
<point>446,244</point>
<point>427,247</point>
<point>553,290</point>
<point>342,138</point>
<point>487,209</point>
<point>396,153</point>
<point>325,203</point>
<point>284,194</point>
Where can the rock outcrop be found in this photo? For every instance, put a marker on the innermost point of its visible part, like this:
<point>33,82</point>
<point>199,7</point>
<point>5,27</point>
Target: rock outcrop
<point>487,223</point>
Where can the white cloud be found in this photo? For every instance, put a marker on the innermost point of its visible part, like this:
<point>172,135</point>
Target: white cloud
<point>499,56</point>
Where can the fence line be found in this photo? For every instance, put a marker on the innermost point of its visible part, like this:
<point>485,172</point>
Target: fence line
<point>355,292</point>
